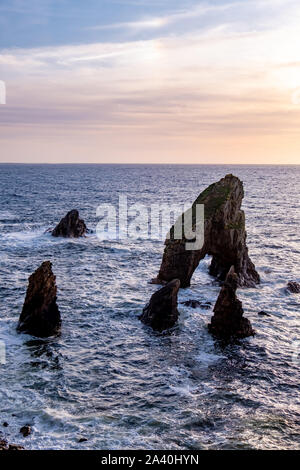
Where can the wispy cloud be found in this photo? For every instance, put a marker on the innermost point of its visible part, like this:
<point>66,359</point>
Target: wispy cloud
<point>162,21</point>
<point>199,90</point>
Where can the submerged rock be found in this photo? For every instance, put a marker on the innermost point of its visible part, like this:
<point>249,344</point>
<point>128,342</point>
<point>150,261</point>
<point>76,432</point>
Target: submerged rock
<point>224,238</point>
<point>70,226</point>
<point>293,287</point>
<point>264,314</point>
<point>228,320</point>
<point>40,315</point>
<point>196,303</point>
<point>161,312</point>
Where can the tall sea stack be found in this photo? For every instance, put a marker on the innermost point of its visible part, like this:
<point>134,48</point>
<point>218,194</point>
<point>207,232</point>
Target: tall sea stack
<point>224,238</point>
<point>228,320</point>
<point>40,315</point>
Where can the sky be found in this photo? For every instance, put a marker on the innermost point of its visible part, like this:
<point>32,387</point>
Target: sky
<point>150,81</point>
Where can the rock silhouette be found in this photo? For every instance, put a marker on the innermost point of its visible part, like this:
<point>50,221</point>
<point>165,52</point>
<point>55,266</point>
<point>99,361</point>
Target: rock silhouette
<point>264,314</point>
<point>5,446</point>
<point>293,287</point>
<point>25,430</point>
<point>228,320</point>
<point>161,312</point>
<point>70,226</point>
<point>40,315</point>
<point>224,238</point>
<point>196,303</point>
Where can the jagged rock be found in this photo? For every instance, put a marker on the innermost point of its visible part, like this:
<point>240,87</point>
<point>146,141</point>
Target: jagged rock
<point>25,430</point>
<point>228,320</point>
<point>293,287</point>
<point>5,446</point>
<point>70,226</point>
<point>196,303</point>
<point>161,312</point>
<point>40,315</point>
<point>224,238</point>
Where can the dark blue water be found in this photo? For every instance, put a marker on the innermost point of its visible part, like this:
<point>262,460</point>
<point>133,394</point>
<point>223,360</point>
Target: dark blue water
<point>108,377</point>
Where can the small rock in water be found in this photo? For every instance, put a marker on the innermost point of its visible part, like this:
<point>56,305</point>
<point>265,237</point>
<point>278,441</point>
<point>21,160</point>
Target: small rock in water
<point>25,430</point>
<point>293,287</point>
<point>5,424</point>
<point>196,303</point>
<point>15,447</point>
<point>82,439</point>
<point>5,446</point>
<point>161,312</point>
<point>40,315</point>
<point>264,314</point>
<point>70,226</point>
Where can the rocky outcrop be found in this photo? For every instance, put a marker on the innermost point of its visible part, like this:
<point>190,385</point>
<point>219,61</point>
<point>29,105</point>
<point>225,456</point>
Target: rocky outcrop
<point>293,287</point>
<point>224,238</point>
<point>161,312</point>
<point>228,320</point>
<point>70,226</point>
<point>5,446</point>
<point>40,315</point>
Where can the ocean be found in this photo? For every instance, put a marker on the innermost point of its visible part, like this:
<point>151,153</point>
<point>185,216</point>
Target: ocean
<point>109,378</point>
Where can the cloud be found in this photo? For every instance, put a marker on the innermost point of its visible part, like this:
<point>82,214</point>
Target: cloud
<point>237,11</point>
<point>160,22</point>
<point>205,87</point>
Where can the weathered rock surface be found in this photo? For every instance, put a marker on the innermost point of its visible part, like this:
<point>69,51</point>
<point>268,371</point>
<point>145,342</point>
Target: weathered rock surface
<point>228,320</point>
<point>224,238</point>
<point>70,226</point>
<point>40,315</point>
<point>161,312</point>
<point>5,446</point>
<point>293,287</point>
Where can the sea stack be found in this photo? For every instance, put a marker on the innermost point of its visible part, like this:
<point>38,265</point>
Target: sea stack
<point>70,226</point>
<point>161,312</point>
<point>40,315</point>
<point>228,320</point>
<point>224,238</point>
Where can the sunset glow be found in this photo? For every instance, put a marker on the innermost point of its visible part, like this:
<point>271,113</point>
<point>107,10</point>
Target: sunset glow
<point>192,82</point>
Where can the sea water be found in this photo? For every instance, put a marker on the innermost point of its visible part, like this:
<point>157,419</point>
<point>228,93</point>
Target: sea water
<point>109,378</point>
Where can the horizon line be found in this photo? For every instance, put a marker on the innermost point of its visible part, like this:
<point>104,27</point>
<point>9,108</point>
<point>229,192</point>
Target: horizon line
<point>149,163</point>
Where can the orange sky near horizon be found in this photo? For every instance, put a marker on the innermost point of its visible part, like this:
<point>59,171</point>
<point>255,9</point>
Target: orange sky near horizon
<point>221,95</point>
